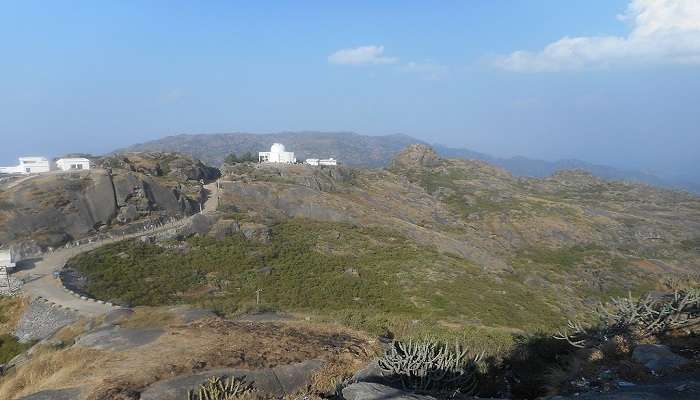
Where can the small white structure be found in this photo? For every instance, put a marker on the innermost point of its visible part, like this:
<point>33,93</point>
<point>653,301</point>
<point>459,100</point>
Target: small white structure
<point>7,259</point>
<point>277,154</point>
<point>7,263</point>
<point>72,164</point>
<point>322,161</point>
<point>28,165</point>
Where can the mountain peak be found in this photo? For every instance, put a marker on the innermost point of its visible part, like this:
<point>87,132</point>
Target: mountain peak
<point>416,156</point>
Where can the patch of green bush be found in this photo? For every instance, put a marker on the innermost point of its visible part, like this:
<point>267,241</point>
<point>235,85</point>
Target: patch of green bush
<point>10,347</point>
<point>691,244</point>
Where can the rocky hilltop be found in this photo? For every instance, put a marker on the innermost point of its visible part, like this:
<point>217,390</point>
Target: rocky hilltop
<point>358,150</point>
<point>51,209</point>
<point>310,272</point>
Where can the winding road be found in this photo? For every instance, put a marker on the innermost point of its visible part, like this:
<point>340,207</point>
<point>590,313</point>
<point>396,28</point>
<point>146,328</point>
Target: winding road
<point>39,280</point>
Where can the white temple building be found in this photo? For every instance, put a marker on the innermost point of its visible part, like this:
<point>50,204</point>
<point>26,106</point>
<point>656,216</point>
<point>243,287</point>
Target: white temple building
<point>322,161</point>
<point>72,164</point>
<point>28,165</point>
<point>277,154</point>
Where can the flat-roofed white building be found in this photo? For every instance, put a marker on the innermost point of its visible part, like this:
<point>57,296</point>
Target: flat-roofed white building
<point>28,165</point>
<point>277,154</point>
<point>72,164</point>
<point>7,263</point>
<point>7,259</point>
<point>321,161</point>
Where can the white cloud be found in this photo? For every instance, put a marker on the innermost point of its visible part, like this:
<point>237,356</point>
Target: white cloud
<point>429,70</point>
<point>663,32</point>
<point>362,55</point>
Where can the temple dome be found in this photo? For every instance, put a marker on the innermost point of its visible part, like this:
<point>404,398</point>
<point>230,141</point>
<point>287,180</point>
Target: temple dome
<point>277,148</point>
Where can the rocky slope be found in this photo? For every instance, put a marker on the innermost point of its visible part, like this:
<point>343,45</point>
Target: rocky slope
<point>377,151</point>
<point>476,210</point>
<point>571,233</point>
<point>49,210</point>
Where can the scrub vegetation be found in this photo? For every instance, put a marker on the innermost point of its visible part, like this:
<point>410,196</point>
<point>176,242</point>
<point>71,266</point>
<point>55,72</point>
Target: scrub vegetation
<point>364,277</point>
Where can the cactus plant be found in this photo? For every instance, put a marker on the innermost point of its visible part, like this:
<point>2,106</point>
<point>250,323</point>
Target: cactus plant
<point>219,388</point>
<point>430,367</point>
<point>639,317</point>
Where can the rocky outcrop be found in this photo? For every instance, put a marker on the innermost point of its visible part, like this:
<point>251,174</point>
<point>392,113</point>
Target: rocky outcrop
<point>174,165</point>
<point>416,156</point>
<point>50,210</point>
<point>657,357</point>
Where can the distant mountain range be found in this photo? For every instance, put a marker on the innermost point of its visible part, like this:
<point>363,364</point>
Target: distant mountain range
<point>376,151</point>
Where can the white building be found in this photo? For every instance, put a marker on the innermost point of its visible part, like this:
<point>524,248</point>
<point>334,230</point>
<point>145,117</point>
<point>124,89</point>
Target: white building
<point>7,259</point>
<point>322,161</point>
<point>28,165</point>
<point>277,154</point>
<point>6,264</point>
<point>72,164</point>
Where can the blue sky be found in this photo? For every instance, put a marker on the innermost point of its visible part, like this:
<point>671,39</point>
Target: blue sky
<point>495,76</point>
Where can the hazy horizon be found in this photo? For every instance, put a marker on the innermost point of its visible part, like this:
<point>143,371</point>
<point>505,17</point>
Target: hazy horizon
<point>607,82</point>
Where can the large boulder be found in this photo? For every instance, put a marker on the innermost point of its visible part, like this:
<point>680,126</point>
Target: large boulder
<point>60,394</point>
<point>278,381</point>
<point>376,391</point>
<point>657,357</point>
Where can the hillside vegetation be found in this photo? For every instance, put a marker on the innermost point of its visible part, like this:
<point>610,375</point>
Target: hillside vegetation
<point>429,245</point>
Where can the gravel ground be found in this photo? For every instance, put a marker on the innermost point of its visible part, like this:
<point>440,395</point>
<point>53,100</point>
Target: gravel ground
<point>15,286</point>
<point>40,321</point>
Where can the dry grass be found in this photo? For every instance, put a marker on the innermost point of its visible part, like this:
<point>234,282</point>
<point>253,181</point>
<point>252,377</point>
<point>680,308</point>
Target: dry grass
<point>11,308</point>
<point>184,348</point>
<point>150,317</point>
<point>49,369</point>
<point>336,371</point>
<point>67,334</point>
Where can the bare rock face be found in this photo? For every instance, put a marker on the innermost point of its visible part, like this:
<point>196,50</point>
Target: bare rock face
<point>376,391</point>
<point>177,166</point>
<point>51,209</point>
<point>416,156</point>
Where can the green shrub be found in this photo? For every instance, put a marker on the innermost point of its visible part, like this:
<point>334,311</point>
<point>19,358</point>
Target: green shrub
<point>10,347</point>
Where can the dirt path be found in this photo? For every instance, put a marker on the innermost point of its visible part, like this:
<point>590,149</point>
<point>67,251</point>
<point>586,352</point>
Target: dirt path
<point>212,203</point>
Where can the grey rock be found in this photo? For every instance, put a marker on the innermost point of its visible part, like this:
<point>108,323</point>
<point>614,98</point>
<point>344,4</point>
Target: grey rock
<point>118,339</point>
<point>353,272</point>
<point>223,228</point>
<point>199,224</point>
<point>40,320</point>
<point>257,232</point>
<point>128,213</point>
<point>277,381</point>
<point>376,391</point>
<point>188,314</point>
<point>370,373</point>
<point>657,357</point>
<point>295,376</point>
<point>118,316</point>
<point>61,394</point>
<point>264,271</point>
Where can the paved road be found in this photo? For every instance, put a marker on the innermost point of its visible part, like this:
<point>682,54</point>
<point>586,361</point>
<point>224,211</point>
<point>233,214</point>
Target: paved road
<point>40,282</point>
